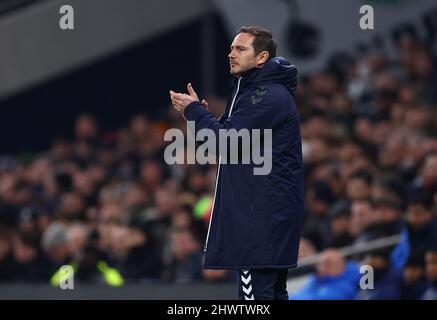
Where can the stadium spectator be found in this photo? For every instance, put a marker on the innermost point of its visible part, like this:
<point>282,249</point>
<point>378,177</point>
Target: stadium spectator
<point>386,281</point>
<point>414,281</point>
<point>431,274</point>
<point>336,279</point>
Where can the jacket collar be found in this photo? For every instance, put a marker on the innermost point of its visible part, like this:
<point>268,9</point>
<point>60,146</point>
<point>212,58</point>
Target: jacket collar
<point>247,78</point>
<point>275,70</point>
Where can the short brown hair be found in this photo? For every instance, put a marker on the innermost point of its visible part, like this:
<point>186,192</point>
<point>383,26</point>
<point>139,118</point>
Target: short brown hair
<point>263,40</point>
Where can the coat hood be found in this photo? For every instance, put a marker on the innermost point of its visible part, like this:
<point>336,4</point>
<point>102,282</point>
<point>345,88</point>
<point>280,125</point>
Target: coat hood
<point>276,70</point>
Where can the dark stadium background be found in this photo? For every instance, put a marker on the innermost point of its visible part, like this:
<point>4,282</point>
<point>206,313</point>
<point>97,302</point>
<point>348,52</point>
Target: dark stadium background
<point>95,192</point>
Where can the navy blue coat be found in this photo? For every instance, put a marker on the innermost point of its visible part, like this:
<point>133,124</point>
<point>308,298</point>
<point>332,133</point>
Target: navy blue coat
<point>257,219</point>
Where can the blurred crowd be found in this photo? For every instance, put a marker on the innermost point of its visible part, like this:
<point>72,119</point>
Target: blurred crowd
<point>106,203</point>
<point>370,151</point>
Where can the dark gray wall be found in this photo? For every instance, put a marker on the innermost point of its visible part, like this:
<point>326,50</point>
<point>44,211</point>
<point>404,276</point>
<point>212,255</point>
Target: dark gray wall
<point>34,48</point>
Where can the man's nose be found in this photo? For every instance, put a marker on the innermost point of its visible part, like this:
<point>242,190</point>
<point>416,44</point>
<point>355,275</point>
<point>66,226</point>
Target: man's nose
<point>231,54</point>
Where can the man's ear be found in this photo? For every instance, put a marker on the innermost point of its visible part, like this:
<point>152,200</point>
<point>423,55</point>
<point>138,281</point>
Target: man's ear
<point>263,56</point>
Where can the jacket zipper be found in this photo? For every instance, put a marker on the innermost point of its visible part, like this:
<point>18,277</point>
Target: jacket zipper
<point>218,170</point>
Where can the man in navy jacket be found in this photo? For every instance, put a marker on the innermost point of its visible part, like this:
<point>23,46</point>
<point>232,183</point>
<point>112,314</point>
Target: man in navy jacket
<point>256,220</point>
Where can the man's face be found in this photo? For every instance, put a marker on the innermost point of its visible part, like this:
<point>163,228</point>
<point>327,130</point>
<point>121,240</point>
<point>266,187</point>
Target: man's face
<point>242,56</point>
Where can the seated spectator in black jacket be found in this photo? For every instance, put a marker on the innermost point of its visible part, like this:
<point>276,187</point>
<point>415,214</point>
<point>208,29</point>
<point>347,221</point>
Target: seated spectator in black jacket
<point>31,263</point>
<point>388,212</point>
<point>431,274</point>
<point>186,258</point>
<point>422,225</point>
<point>386,280</point>
<point>141,259</point>
<point>317,225</point>
<point>340,223</point>
<point>414,281</point>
